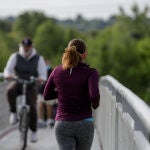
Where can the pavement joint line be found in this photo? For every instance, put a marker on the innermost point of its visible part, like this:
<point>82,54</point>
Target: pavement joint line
<point>7,131</point>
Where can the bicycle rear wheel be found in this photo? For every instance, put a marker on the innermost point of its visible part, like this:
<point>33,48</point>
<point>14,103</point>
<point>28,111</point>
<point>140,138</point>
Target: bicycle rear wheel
<point>23,127</point>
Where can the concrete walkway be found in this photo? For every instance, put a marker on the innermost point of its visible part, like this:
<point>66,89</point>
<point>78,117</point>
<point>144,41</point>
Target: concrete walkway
<point>46,141</point>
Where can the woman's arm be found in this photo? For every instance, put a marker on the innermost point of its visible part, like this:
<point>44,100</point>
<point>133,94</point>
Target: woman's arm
<point>49,90</point>
<point>93,83</point>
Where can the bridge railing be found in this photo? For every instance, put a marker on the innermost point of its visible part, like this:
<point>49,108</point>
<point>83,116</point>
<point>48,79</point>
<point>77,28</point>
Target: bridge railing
<point>123,119</point>
<point>4,108</point>
<point>1,75</point>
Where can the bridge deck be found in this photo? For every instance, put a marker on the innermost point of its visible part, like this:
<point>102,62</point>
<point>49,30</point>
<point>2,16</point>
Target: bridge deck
<point>46,141</point>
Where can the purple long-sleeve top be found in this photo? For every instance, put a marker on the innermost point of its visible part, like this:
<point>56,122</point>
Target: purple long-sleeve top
<point>77,90</point>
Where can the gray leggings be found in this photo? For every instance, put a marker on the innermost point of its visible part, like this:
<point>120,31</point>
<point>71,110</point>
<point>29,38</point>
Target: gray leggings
<point>74,135</point>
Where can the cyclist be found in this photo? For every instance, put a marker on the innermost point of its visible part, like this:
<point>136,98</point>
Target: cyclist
<point>24,64</point>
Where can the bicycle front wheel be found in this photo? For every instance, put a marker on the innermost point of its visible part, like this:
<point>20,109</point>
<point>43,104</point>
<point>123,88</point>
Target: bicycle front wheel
<point>23,127</point>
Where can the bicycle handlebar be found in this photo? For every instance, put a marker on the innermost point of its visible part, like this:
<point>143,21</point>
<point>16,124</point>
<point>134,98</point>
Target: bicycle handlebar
<point>22,81</point>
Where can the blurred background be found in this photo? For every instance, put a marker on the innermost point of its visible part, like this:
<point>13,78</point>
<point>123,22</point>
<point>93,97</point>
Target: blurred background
<point>117,34</point>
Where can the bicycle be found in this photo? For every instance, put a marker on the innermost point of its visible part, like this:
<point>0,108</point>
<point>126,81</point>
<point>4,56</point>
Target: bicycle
<point>23,110</point>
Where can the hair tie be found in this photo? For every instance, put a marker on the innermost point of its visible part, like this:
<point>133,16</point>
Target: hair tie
<point>73,48</point>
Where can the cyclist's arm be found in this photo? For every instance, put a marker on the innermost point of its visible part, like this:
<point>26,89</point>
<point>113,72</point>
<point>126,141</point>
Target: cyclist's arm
<point>42,71</point>
<point>49,91</point>
<point>9,69</point>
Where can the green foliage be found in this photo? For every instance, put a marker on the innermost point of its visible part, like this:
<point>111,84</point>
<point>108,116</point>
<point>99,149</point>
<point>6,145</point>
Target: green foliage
<point>82,24</point>
<point>119,47</point>
<point>5,26</point>
<point>5,48</point>
<point>26,23</point>
<point>49,40</point>
<point>143,48</point>
<point>70,33</point>
<point>94,51</point>
<point>125,52</point>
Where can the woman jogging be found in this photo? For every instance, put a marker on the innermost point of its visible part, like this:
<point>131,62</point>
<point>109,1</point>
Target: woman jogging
<point>76,86</point>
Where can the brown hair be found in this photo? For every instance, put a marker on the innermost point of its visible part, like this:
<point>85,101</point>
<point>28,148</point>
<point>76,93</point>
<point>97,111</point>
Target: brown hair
<point>72,54</point>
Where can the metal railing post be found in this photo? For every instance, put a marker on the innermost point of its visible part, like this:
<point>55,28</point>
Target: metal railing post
<point>124,118</point>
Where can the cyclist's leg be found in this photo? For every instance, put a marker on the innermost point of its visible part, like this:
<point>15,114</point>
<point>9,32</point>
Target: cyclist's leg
<point>49,110</point>
<point>12,93</point>
<point>49,113</point>
<point>40,109</point>
<point>31,101</point>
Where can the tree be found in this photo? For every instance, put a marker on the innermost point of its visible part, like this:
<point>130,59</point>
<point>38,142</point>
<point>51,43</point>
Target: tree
<point>7,46</point>
<point>27,23</point>
<point>125,51</point>
<point>49,40</point>
<point>143,49</point>
<point>5,26</point>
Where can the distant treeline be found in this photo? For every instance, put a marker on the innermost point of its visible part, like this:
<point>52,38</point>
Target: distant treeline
<point>80,23</point>
<point>119,46</point>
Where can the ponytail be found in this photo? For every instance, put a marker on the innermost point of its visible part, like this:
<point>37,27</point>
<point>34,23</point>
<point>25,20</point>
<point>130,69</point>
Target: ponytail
<point>70,58</point>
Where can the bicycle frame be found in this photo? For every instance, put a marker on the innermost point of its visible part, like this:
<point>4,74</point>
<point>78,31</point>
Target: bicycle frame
<point>23,109</point>
<point>23,113</point>
<point>23,96</point>
<point>23,100</point>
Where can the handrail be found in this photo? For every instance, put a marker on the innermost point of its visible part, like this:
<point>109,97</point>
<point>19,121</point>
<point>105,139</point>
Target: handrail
<point>141,109</point>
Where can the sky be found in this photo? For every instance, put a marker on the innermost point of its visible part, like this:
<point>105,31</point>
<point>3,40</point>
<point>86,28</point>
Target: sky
<point>63,9</point>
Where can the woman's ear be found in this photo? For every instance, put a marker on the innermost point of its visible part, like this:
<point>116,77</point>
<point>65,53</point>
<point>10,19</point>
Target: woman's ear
<point>84,55</point>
